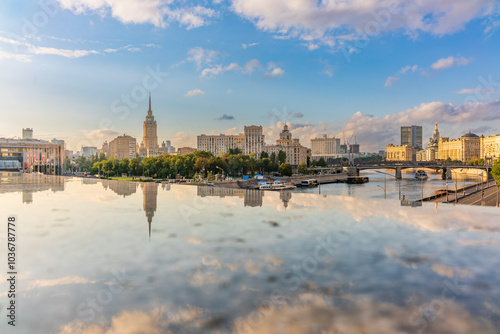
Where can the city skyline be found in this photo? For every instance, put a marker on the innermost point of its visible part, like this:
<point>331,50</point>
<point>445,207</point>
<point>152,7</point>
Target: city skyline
<point>215,68</point>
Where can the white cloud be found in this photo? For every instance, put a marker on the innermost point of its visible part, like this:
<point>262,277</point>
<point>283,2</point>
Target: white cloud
<point>478,91</point>
<point>444,63</point>
<point>18,57</point>
<point>251,66</point>
<point>195,92</point>
<point>156,12</point>
<point>201,56</point>
<point>246,46</point>
<point>232,67</point>
<point>182,139</point>
<point>275,72</point>
<point>212,71</point>
<point>335,23</point>
<point>62,52</point>
<point>391,81</point>
<point>229,91</point>
<point>408,68</point>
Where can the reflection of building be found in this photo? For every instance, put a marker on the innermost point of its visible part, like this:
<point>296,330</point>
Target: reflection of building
<point>400,153</point>
<point>295,152</point>
<point>327,148</point>
<point>285,196</point>
<point>122,147</point>
<point>32,183</point>
<point>149,195</point>
<point>411,136</point>
<point>253,197</point>
<point>121,188</point>
<point>463,149</point>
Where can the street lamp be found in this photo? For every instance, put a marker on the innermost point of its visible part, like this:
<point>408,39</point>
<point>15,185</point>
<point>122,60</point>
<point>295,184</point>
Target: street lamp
<point>399,183</point>
<point>456,184</point>
<point>384,187</point>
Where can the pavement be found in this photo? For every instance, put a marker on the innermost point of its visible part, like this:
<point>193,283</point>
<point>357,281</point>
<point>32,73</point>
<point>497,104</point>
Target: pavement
<point>473,195</point>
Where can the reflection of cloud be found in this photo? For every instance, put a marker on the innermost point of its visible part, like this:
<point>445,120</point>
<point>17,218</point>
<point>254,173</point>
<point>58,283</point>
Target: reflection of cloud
<point>449,272</point>
<point>479,242</point>
<point>61,281</point>
<point>317,314</point>
<point>193,240</point>
<point>159,320</point>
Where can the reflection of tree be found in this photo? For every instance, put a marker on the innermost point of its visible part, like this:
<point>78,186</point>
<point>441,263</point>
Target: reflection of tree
<point>252,197</point>
<point>149,201</point>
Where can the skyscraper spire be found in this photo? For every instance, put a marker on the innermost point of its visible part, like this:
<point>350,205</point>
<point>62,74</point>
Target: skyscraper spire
<point>149,110</point>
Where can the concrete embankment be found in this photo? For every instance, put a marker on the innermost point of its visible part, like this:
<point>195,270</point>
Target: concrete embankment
<point>253,183</point>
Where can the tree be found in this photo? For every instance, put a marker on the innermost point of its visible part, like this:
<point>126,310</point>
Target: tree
<point>201,165</point>
<point>273,157</point>
<point>321,162</point>
<point>495,171</point>
<point>302,168</point>
<point>285,169</point>
<point>264,154</point>
<point>234,151</point>
<point>281,157</point>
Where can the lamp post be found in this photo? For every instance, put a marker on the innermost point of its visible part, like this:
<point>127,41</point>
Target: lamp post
<point>385,187</point>
<point>456,184</point>
<point>399,183</point>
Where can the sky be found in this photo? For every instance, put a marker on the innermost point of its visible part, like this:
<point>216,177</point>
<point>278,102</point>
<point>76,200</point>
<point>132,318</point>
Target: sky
<point>81,70</point>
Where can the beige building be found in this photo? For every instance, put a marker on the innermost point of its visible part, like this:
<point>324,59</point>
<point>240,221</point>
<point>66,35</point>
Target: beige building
<point>105,149</point>
<point>295,152</point>
<point>401,153</point>
<point>252,140</point>
<point>490,147</point>
<point>220,144</point>
<point>429,154</point>
<point>325,147</point>
<point>122,147</point>
<point>186,150</point>
<point>150,136</point>
<point>463,149</point>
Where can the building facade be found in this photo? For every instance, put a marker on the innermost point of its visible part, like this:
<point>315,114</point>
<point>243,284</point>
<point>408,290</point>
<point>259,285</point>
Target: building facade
<point>295,152</point>
<point>401,153</point>
<point>463,149</point>
<point>31,155</point>
<point>122,147</point>
<point>411,136</point>
<point>325,147</point>
<point>88,151</point>
<point>28,133</point>
<point>253,139</point>
<point>490,147</point>
<point>220,144</point>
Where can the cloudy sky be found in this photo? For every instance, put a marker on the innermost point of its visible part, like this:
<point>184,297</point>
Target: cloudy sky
<point>79,70</point>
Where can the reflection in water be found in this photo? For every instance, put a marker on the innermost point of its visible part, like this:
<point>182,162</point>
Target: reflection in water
<point>238,262</point>
<point>149,194</point>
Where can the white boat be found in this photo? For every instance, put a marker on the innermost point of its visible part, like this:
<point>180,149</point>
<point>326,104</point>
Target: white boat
<point>265,185</point>
<point>309,183</point>
<point>421,175</point>
<point>281,185</point>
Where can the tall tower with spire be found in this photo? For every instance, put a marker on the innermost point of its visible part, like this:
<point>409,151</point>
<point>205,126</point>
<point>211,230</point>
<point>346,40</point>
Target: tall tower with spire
<point>150,137</point>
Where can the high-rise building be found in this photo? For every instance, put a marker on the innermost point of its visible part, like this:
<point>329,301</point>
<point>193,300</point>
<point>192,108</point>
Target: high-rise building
<point>122,147</point>
<point>28,133</point>
<point>412,136</point>
<point>105,149</point>
<point>327,148</point>
<point>353,148</point>
<point>295,152</point>
<point>88,151</point>
<point>59,142</point>
<point>150,136</point>
<point>254,139</point>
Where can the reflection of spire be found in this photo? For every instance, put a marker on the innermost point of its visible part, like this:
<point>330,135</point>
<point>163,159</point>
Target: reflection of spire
<point>149,194</point>
<point>285,196</point>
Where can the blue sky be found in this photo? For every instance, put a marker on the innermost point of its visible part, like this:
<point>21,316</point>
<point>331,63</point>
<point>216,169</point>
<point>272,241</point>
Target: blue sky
<point>341,68</point>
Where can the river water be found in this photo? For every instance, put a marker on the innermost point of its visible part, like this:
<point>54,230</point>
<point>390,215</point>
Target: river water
<point>108,257</point>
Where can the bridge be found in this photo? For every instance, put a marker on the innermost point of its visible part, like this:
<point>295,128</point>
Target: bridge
<point>446,170</point>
